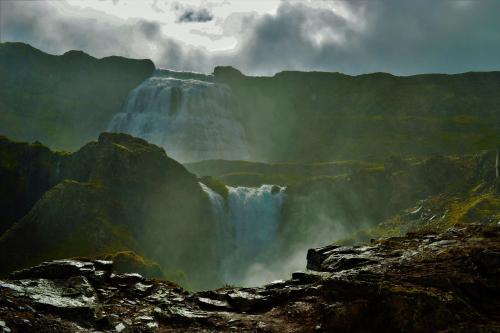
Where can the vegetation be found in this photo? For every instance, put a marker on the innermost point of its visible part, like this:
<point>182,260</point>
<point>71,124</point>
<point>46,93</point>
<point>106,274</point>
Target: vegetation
<point>467,194</point>
<point>63,101</point>
<point>314,116</point>
<point>245,173</point>
<point>117,195</point>
<point>216,185</point>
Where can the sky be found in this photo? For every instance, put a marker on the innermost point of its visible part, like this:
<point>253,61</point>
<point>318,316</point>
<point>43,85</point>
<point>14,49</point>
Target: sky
<point>262,37</point>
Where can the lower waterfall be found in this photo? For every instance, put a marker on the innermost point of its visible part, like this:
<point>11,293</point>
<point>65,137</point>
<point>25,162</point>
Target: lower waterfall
<point>247,227</point>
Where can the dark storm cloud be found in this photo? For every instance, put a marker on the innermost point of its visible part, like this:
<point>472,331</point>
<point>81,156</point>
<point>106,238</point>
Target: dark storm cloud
<point>151,30</point>
<point>401,37</point>
<point>195,15</point>
<point>291,39</point>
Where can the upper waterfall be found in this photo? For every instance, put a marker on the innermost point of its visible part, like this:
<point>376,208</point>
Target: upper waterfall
<point>188,114</point>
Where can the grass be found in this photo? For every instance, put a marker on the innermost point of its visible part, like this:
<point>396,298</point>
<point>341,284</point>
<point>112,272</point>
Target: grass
<point>439,214</point>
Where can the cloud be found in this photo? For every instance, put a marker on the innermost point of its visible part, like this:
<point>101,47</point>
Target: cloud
<point>400,37</point>
<point>195,15</point>
<point>57,31</point>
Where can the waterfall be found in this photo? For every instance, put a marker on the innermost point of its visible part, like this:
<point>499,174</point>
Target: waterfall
<point>188,114</point>
<point>219,213</point>
<point>249,223</point>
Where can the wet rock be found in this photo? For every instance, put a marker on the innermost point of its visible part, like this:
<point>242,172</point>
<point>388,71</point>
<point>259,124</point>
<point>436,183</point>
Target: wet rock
<point>316,256</point>
<point>127,279</point>
<point>4,328</point>
<point>141,287</point>
<point>334,259</point>
<point>74,297</point>
<point>416,283</point>
<point>246,301</point>
<point>308,277</point>
<point>120,327</point>
<point>104,323</point>
<point>180,315</point>
<point>57,269</point>
<point>213,304</point>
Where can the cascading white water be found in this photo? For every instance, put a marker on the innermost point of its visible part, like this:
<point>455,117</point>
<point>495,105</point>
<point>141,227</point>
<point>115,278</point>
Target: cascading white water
<point>219,212</point>
<point>250,225</point>
<point>186,113</point>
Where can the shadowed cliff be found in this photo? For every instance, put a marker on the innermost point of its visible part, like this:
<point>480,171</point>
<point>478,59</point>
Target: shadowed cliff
<point>117,194</point>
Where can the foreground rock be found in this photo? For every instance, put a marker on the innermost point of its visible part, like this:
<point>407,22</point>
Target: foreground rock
<point>419,283</point>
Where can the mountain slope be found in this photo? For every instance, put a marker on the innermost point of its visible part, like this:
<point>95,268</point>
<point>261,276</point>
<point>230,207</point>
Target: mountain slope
<point>315,116</point>
<point>63,101</point>
<point>114,195</point>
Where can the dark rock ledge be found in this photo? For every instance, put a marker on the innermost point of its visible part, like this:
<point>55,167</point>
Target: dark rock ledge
<point>419,283</point>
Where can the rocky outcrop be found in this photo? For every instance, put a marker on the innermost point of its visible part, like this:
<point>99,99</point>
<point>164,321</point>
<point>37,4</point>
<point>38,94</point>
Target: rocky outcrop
<point>117,194</point>
<point>418,283</point>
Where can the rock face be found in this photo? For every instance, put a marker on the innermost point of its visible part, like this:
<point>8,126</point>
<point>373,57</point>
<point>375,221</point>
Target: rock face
<point>117,194</point>
<point>418,283</point>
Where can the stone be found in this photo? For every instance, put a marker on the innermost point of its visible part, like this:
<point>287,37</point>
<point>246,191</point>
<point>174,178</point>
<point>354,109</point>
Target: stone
<point>417,283</point>
<point>120,327</point>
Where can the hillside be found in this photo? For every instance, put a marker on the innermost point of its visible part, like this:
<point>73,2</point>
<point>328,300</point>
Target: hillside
<point>316,116</point>
<point>63,101</point>
<point>291,117</point>
<point>118,197</point>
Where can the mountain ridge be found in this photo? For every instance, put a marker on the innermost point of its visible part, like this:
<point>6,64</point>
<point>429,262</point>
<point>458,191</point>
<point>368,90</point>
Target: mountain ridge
<point>331,116</point>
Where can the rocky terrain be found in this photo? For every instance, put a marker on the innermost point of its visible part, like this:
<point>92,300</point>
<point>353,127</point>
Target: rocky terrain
<point>423,282</point>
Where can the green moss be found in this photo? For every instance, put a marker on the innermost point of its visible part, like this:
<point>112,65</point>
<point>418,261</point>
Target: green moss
<point>131,262</point>
<point>216,185</point>
<point>442,213</point>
